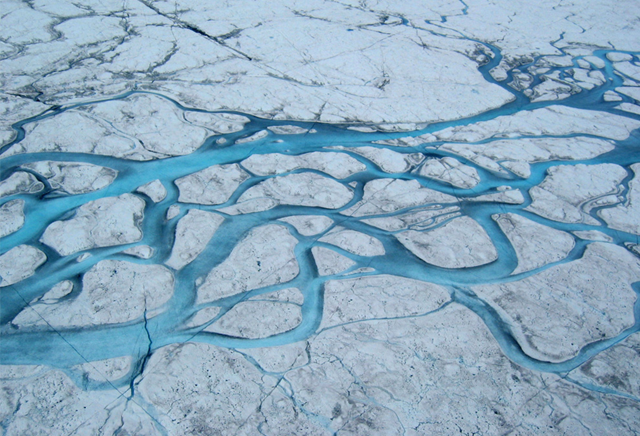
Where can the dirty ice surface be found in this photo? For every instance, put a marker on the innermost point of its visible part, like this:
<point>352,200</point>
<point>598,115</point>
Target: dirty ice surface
<point>319,218</point>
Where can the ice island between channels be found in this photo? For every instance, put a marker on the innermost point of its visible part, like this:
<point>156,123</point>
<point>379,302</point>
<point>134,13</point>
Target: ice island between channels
<point>319,217</point>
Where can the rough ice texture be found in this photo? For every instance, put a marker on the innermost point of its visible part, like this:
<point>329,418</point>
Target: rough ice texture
<point>535,244</point>
<point>552,120</point>
<point>354,242</point>
<point>288,130</point>
<point>218,122</point>
<point>203,316</point>
<point>257,319</point>
<point>83,257</point>
<point>451,171</point>
<point>550,90</point>
<point>279,358</point>
<point>389,161</point>
<point>380,377</point>
<point>338,165</point>
<point>629,107</point>
<point>286,295</point>
<point>100,223</point>
<point>76,132</point>
<point>11,217</point>
<point>619,57</point>
<point>626,216</point>
<point>508,196</point>
<point>376,297</point>
<point>141,251</point>
<point>569,192</point>
<point>353,385</point>
<point>407,141</point>
<point>13,372</point>
<point>213,185</point>
<point>255,137</point>
<point>301,189</point>
<point>628,69</point>
<point>155,190</point>
<point>264,257</point>
<point>193,233</point>
<point>220,392</point>
<point>20,182</point>
<point>612,96</point>
<point>113,292</point>
<point>139,127</point>
<point>383,196</point>
<point>588,79</point>
<point>460,243</point>
<point>111,369</point>
<point>58,291</point>
<point>632,92</point>
<point>516,155</point>
<point>14,108</point>
<point>555,313</point>
<point>353,71</point>
<point>592,235</point>
<point>329,262</point>
<point>58,407</point>
<point>617,368</point>
<point>19,263</point>
<point>172,212</point>
<point>250,206</point>
<point>73,177</point>
<point>417,219</point>
<point>315,68</point>
<point>309,225</point>
<point>442,373</point>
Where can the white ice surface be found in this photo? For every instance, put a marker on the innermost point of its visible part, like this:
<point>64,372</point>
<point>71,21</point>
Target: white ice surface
<point>11,217</point>
<point>264,257</point>
<point>460,243</point>
<point>73,177</point>
<point>19,263</point>
<point>535,244</point>
<point>301,189</point>
<point>338,165</point>
<point>193,233</point>
<point>309,225</point>
<point>112,292</point>
<point>554,313</point>
<point>100,223</point>
<point>569,192</point>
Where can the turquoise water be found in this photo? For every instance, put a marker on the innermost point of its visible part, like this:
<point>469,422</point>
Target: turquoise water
<point>65,348</point>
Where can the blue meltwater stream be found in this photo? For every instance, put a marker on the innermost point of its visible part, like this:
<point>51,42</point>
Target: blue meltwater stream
<point>66,348</point>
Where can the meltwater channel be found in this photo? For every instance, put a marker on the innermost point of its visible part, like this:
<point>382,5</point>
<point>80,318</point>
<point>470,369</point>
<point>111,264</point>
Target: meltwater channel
<point>65,348</point>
